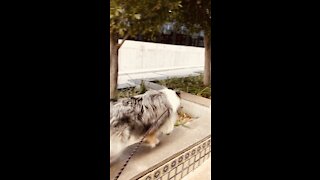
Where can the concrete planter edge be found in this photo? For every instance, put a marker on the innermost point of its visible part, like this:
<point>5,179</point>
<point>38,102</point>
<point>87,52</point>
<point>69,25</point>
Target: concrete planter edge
<point>184,95</point>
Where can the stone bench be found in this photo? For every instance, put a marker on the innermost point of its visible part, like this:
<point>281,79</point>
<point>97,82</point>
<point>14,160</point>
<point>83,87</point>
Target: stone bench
<point>179,153</point>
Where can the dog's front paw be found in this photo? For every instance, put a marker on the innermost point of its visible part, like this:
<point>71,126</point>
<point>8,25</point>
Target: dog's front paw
<point>154,144</point>
<point>157,141</point>
<point>168,130</point>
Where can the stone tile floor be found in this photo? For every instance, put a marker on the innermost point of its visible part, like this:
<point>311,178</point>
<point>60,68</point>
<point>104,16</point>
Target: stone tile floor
<point>203,172</point>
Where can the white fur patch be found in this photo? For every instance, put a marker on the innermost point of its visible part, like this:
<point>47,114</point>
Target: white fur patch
<point>174,101</point>
<point>173,98</point>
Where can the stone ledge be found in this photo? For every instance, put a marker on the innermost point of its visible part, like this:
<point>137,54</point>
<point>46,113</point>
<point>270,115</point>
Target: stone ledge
<point>184,95</point>
<point>197,99</point>
<point>147,162</point>
<point>181,163</point>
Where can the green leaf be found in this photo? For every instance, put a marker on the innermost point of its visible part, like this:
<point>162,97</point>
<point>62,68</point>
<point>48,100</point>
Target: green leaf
<point>141,16</point>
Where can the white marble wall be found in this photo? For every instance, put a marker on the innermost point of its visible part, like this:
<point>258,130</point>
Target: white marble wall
<point>136,57</point>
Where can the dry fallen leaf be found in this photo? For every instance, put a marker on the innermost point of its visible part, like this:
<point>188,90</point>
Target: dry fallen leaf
<point>183,118</point>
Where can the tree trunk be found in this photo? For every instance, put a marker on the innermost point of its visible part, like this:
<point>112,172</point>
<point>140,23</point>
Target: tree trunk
<point>174,37</point>
<point>207,61</point>
<point>113,65</point>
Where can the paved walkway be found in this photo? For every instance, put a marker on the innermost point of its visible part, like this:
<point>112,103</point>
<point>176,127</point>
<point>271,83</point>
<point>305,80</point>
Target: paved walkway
<point>203,172</point>
<point>131,80</point>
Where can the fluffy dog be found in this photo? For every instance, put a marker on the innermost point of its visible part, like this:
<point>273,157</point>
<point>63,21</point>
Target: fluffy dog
<point>131,118</point>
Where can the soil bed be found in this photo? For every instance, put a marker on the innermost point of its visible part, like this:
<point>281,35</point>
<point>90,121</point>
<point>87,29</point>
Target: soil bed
<point>192,85</point>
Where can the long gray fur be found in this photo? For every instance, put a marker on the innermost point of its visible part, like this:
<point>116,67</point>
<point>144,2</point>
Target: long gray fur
<point>134,116</point>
